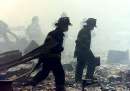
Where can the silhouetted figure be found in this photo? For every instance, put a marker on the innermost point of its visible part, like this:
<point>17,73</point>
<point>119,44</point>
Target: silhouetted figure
<point>51,61</point>
<point>83,52</point>
<point>4,30</point>
<point>34,31</point>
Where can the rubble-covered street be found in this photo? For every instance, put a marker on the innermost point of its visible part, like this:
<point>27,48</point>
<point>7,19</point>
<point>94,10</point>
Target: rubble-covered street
<point>110,78</point>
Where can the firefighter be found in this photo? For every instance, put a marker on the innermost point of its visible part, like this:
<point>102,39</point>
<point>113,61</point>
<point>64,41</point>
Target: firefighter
<point>51,61</point>
<point>83,52</point>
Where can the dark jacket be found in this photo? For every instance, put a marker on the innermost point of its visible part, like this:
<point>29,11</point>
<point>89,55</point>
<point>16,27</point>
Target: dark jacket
<point>55,37</point>
<point>83,42</point>
<point>54,52</point>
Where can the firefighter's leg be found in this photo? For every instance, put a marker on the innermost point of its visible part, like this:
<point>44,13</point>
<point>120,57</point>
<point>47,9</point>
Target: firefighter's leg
<point>90,70</point>
<point>41,75</point>
<point>79,70</point>
<point>59,74</point>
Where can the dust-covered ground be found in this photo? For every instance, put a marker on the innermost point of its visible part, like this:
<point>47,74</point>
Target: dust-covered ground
<point>109,78</point>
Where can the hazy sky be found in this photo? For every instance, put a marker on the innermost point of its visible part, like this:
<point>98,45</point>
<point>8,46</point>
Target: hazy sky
<point>113,18</point>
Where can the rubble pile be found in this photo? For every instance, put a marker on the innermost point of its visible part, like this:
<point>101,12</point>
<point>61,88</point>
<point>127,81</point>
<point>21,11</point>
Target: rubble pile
<point>113,77</point>
<point>109,77</point>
